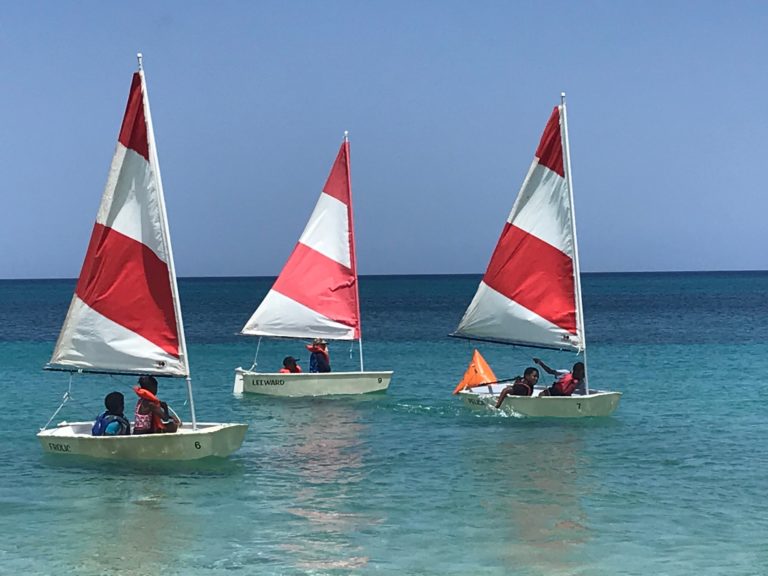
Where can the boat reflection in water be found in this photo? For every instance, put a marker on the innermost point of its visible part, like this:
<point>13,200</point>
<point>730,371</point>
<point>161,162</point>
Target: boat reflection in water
<point>132,530</point>
<point>530,491</point>
<point>323,455</point>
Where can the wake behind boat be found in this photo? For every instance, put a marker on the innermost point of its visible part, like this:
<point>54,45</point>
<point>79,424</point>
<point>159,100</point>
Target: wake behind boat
<point>125,317</point>
<point>530,294</point>
<point>316,297</point>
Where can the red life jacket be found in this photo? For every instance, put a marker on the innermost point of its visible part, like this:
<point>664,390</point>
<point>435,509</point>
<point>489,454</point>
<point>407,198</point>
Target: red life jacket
<point>566,384</point>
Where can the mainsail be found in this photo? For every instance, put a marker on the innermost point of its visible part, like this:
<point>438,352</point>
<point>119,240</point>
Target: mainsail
<point>530,294</point>
<point>124,316</point>
<point>316,295</point>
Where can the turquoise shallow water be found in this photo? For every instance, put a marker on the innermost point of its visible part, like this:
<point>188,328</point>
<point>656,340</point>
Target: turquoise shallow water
<point>411,482</point>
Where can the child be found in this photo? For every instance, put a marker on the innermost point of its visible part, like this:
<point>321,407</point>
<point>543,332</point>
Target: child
<point>151,415</point>
<point>112,422</point>
<point>567,382</point>
<point>290,365</point>
<point>521,386</point>
<point>319,360</point>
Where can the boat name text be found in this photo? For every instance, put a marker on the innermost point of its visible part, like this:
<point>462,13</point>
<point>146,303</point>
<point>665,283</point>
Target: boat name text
<point>273,382</point>
<point>58,447</point>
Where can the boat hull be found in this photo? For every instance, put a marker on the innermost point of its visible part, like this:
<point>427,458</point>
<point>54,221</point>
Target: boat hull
<point>208,440</point>
<point>310,383</point>
<point>596,404</point>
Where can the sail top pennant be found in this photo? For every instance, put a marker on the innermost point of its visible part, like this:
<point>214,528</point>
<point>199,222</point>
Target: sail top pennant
<point>529,294</point>
<point>316,293</point>
<point>124,315</point>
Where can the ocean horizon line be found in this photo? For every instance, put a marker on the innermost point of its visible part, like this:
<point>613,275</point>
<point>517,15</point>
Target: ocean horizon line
<point>424,275</point>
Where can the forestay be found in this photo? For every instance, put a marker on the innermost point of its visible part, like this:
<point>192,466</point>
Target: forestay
<point>316,293</point>
<point>530,293</point>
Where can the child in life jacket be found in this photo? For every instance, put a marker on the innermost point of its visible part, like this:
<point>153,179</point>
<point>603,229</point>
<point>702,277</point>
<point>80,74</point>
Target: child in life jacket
<point>319,360</point>
<point>112,422</point>
<point>290,365</point>
<point>522,386</point>
<point>567,382</point>
<point>152,416</point>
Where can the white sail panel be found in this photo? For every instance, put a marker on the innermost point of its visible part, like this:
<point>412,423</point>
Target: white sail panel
<point>130,203</point>
<point>327,231</point>
<point>543,208</point>
<point>115,348</point>
<point>493,316</point>
<point>281,317</point>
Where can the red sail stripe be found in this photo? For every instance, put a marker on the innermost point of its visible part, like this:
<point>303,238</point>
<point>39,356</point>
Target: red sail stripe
<point>550,150</point>
<point>337,184</point>
<point>321,284</point>
<point>127,283</point>
<point>133,132</point>
<point>535,275</point>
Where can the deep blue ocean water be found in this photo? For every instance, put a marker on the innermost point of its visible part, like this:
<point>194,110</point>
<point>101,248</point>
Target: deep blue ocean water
<point>412,482</point>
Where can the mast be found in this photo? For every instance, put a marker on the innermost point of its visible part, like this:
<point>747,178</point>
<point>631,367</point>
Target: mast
<point>353,251</point>
<point>167,239</point>
<point>576,268</point>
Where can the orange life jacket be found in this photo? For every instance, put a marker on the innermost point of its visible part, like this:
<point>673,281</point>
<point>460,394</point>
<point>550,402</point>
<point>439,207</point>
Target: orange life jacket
<point>324,351</point>
<point>157,422</point>
<point>287,371</point>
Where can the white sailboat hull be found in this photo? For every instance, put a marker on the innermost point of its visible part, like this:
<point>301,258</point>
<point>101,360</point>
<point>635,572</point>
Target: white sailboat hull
<point>597,403</point>
<point>310,383</point>
<point>209,440</point>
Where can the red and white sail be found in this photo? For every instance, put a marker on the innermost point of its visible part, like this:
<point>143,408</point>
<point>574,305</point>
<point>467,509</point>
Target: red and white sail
<point>316,294</point>
<point>124,315</point>
<point>530,293</point>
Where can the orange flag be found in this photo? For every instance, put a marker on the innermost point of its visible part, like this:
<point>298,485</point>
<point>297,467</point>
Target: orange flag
<point>477,374</point>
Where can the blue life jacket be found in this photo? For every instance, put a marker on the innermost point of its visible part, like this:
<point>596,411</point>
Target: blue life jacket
<point>318,362</point>
<point>110,425</point>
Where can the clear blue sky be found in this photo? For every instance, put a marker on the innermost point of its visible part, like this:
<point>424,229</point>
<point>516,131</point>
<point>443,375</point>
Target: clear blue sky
<point>444,101</point>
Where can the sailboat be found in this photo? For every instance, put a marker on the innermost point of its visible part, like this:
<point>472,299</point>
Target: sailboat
<point>125,317</point>
<point>316,297</point>
<point>530,294</point>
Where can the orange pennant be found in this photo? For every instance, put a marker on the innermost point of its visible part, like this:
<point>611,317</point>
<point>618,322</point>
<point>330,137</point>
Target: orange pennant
<point>477,374</point>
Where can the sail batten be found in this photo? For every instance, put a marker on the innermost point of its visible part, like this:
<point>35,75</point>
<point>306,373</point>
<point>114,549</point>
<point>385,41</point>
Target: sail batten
<point>316,293</point>
<point>125,316</point>
<point>529,294</point>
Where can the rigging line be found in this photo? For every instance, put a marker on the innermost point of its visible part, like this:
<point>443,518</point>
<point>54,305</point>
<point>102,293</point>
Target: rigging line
<point>256,356</point>
<point>64,400</point>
